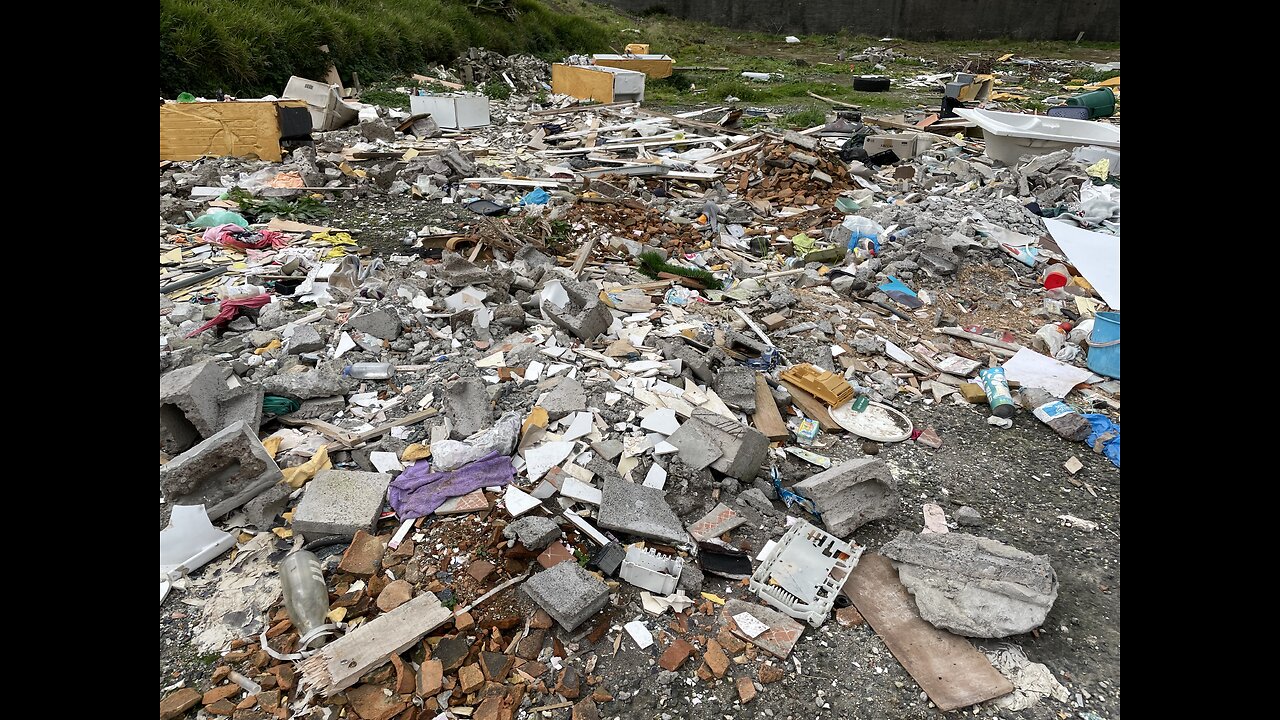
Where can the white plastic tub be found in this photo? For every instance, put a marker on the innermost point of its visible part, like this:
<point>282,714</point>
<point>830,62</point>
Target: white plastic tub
<point>1012,135</point>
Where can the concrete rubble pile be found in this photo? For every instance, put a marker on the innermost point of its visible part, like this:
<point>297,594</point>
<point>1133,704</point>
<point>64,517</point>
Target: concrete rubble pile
<point>549,431</point>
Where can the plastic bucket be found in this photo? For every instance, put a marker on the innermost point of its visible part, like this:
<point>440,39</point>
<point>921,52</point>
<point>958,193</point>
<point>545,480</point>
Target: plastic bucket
<point>1104,345</point>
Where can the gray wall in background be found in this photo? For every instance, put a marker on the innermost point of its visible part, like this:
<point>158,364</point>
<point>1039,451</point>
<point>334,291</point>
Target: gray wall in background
<point>909,19</point>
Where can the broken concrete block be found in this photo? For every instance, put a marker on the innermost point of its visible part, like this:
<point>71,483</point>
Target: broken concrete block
<point>641,511</point>
<point>972,585</point>
<point>852,494</point>
<point>466,404</point>
<point>195,403</point>
<point>341,502</point>
<point>534,532</point>
<point>755,498</point>
<point>313,408</point>
<point>773,321</point>
<point>741,449</point>
<point>263,510</point>
<point>647,569</point>
<point>698,363</point>
<point>305,339</point>
<point>736,386</point>
<point>568,593</point>
<point>584,315</point>
<point>382,324</point>
<point>221,473</point>
<point>326,380</point>
<point>566,397</point>
<point>969,517</point>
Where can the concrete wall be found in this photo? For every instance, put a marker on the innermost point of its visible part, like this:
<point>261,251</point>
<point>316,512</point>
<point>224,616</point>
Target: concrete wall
<point>910,19</point>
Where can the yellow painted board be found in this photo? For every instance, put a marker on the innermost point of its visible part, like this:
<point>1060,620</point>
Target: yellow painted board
<point>655,69</point>
<point>582,82</point>
<point>638,48</point>
<point>192,130</point>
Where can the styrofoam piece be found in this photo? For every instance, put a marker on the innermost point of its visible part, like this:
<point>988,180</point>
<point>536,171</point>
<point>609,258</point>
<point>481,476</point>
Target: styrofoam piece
<point>805,572</point>
<point>640,633</point>
<point>1012,135</point>
<point>647,569</point>
<point>574,488</point>
<point>189,542</point>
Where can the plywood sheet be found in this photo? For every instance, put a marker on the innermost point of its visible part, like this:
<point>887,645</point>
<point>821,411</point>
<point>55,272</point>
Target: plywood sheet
<point>582,82</point>
<point>946,666</point>
<point>242,129</point>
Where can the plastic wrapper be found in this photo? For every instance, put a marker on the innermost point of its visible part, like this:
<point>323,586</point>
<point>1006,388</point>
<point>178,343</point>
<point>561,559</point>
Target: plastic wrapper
<point>501,438</point>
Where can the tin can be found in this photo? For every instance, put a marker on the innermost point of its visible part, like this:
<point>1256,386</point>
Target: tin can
<point>997,388</point>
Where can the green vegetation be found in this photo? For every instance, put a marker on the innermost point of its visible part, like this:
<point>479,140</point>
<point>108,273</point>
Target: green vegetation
<point>251,47</point>
<point>497,89</point>
<point>257,209</point>
<point>651,263</point>
<point>388,98</point>
<point>807,118</point>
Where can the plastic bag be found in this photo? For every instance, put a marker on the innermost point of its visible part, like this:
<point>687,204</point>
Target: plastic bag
<point>862,227</point>
<point>537,196</point>
<point>501,438</point>
<point>219,217</point>
<point>1105,438</point>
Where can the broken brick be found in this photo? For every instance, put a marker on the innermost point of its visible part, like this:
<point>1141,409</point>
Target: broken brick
<point>569,684</point>
<point>222,707</point>
<point>849,617</point>
<point>746,690</point>
<point>770,674</point>
<point>394,595</point>
<point>585,709</point>
<point>178,702</point>
<point>464,621</point>
<point>675,655</point>
<point>405,682</point>
<point>541,620</point>
<point>716,659</point>
<point>496,666</point>
<point>363,556</point>
<point>470,678</point>
<point>730,642</point>
<point>430,676</point>
<point>224,692</point>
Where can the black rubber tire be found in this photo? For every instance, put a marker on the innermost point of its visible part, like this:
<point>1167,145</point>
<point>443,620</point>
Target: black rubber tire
<point>871,83</point>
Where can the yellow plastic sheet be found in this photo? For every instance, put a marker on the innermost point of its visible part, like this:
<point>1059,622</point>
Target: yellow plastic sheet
<point>416,451</point>
<point>297,476</point>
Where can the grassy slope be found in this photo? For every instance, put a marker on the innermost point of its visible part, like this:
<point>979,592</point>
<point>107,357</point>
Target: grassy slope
<point>251,47</point>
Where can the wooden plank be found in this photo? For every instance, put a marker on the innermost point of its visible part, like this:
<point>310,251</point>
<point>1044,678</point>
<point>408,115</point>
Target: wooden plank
<point>583,108</point>
<point>946,666</point>
<point>436,81</point>
<point>684,122</point>
<point>973,337</point>
<point>767,419</point>
<point>837,103</point>
<point>812,408</point>
<point>340,664</point>
<point>584,252</point>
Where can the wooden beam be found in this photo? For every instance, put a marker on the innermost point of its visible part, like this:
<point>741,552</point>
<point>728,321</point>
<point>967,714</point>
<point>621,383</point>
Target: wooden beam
<point>837,103</point>
<point>957,332</point>
<point>581,108</point>
<point>767,419</point>
<point>341,663</point>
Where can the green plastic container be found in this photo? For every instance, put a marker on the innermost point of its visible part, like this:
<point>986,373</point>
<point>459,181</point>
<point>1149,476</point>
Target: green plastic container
<point>1101,103</point>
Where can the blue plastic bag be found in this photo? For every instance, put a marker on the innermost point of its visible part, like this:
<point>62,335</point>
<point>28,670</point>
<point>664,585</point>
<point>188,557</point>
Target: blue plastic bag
<point>537,196</point>
<point>1101,425</point>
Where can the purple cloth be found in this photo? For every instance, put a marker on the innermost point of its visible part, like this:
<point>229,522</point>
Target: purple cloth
<point>417,491</point>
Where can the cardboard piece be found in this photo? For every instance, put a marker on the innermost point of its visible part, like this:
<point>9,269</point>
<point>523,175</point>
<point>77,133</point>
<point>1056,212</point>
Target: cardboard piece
<point>241,129</point>
<point>946,666</point>
<point>1096,255</point>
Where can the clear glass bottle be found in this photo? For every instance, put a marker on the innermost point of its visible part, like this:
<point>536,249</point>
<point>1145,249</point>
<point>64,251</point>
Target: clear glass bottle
<point>305,596</point>
<point>371,370</point>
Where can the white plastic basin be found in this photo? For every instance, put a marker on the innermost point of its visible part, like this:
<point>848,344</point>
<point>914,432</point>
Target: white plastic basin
<point>1012,135</point>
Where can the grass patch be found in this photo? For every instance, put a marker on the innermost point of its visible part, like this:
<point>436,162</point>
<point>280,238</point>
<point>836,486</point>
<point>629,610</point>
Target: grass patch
<point>806,118</point>
<point>251,47</point>
<point>386,98</point>
<point>651,263</point>
<point>497,90</point>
